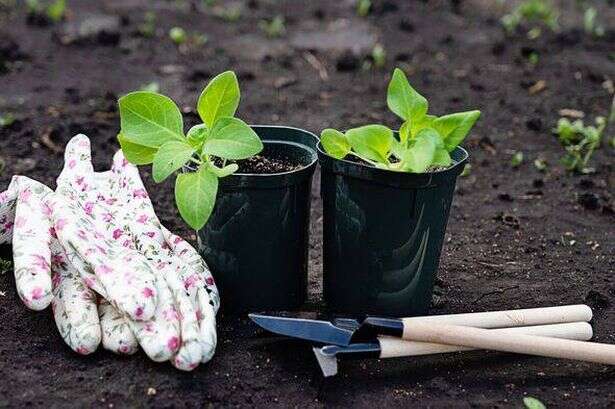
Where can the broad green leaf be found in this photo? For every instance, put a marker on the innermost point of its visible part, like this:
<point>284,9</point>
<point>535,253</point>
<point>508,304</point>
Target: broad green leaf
<point>335,143</point>
<point>422,153</point>
<point>426,122</point>
<point>532,403</point>
<point>454,127</point>
<point>231,138</point>
<point>195,196</point>
<point>134,153</point>
<point>403,100</point>
<point>220,98</point>
<point>150,119</point>
<point>225,171</point>
<point>170,157</point>
<point>197,134</point>
<point>371,141</point>
<point>442,158</point>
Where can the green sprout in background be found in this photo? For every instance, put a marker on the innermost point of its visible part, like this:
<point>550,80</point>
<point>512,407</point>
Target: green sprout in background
<point>148,27</point>
<point>273,28</point>
<point>540,12</point>
<point>580,140</point>
<point>424,141</point>
<point>54,11</point>
<point>363,7</point>
<point>186,41</point>
<point>152,131</point>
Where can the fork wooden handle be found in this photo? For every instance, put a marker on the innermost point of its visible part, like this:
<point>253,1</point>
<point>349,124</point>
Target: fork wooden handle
<point>519,343</point>
<point>392,347</point>
<point>511,318</point>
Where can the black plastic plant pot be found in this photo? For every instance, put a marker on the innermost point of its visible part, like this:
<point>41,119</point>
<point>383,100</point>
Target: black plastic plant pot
<point>382,235</point>
<point>256,240</point>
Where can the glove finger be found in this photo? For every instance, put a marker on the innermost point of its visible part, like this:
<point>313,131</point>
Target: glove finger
<point>123,274</point>
<point>189,354</point>
<point>78,170</point>
<point>206,315</point>
<point>8,201</point>
<point>160,336</point>
<point>74,306</point>
<point>31,241</point>
<point>181,249</point>
<point>116,334</point>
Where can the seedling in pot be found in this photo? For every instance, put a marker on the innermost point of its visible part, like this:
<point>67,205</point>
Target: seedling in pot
<point>424,141</point>
<point>152,131</point>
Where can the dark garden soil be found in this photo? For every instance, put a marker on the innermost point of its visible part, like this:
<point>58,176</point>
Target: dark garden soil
<point>516,237</point>
<point>263,164</point>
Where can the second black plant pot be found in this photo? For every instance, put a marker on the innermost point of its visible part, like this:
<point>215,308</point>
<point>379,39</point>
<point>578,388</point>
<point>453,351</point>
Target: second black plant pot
<point>382,235</point>
<point>256,240</point>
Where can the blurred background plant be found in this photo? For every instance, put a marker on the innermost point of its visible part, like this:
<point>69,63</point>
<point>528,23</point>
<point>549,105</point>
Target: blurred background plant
<point>580,140</point>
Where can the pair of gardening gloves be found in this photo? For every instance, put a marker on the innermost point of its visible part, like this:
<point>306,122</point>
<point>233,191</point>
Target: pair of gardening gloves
<point>95,250</point>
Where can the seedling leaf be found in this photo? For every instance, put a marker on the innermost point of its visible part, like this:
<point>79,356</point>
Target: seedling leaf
<point>455,127</point>
<point>335,143</point>
<point>533,403</point>
<point>170,157</point>
<point>220,98</point>
<point>231,138</point>
<point>371,141</point>
<point>150,119</point>
<point>422,154</point>
<point>134,153</point>
<point>225,171</point>
<point>403,100</point>
<point>195,196</point>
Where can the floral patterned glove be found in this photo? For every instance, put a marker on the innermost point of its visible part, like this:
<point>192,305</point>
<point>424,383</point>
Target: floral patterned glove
<point>112,219</point>
<point>43,273</point>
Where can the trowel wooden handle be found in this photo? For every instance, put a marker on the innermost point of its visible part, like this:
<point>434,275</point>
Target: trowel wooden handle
<point>521,343</point>
<point>391,347</point>
<point>511,318</point>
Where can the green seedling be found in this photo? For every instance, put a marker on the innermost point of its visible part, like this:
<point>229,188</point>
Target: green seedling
<point>517,159</point>
<point>580,142</point>
<point>152,131</point>
<point>54,11</point>
<point>229,14</point>
<point>531,12</point>
<point>379,56</point>
<point>532,403</point>
<point>6,120</point>
<point>423,141</point>
<point>590,24</point>
<point>185,41</point>
<point>363,7</point>
<point>148,27</point>
<point>178,35</point>
<point>273,28</point>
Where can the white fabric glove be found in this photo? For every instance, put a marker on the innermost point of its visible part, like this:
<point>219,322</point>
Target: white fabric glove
<point>44,274</point>
<point>157,286</point>
<point>114,210</point>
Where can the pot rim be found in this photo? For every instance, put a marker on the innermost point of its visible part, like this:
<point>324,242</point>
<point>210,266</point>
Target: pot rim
<point>280,179</point>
